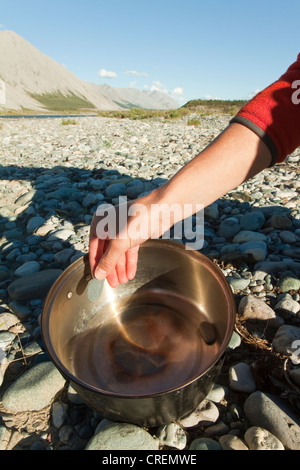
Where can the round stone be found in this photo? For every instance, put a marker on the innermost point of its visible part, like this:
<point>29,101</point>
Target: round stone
<point>30,267</point>
<point>204,443</point>
<point>241,379</point>
<point>34,390</point>
<point>260,439</point>
<point>122,436</point>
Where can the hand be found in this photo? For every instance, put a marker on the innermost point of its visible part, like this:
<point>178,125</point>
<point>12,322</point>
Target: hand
<point>114,259</point>
<point>115,237</point>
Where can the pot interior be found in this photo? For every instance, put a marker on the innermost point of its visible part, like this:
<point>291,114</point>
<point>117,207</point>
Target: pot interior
<point>155,334</point>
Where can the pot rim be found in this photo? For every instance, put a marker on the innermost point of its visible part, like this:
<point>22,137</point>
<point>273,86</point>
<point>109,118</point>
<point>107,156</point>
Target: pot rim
<point>214,269</point>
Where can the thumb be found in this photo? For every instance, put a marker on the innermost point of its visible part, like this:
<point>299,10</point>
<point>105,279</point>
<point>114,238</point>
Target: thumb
<point>109,260</point>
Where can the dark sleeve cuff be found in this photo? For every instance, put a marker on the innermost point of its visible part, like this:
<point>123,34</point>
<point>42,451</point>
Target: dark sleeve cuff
<point>261,133</point>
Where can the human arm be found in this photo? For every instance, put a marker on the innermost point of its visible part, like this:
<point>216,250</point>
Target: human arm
<point>263,133</point>
<point>236,155</point>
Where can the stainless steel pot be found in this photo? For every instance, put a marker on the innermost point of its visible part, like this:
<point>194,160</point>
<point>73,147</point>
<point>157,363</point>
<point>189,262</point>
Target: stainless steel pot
<point>147,352</point>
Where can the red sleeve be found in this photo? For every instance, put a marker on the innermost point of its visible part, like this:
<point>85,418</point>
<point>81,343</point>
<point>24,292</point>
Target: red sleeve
<point>274,114</point>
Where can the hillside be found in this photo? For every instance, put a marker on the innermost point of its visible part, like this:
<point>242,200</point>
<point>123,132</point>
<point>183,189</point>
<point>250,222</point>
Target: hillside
<point>127,98</point>
<point>36,82</point>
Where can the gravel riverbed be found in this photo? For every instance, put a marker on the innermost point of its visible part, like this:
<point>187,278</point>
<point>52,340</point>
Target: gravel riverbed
<point>52,178</point>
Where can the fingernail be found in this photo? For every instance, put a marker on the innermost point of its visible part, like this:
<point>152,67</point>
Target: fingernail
<point>100,274</point>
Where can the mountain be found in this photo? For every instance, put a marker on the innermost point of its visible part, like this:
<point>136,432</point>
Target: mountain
<point>133,98</point>
<point>36,82</point>
<point>163,100</point>
<point>33,80</point>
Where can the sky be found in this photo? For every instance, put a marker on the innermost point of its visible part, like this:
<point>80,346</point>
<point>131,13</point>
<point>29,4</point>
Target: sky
<point>190,49</point>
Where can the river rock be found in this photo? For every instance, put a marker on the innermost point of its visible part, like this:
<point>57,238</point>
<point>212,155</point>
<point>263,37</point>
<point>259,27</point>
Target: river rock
<point>260,439</point>
<point>205,414</point>
<point>237,283</point>
<point>286,341</point>
<point>229,227</point>
<point>172,435</point>
<point>122,436</point>
<point>252,221</point>
<point>34,223</point>
<point>266,411</point>
<point>254,309</point>
<point>288,281</point>
<point>230,442</point>
<point>34,390</point>
<point>204,443</point>
<point>241,378</point>
<point>33,286</point>
<point>248,236</point>
<point>27,268</point>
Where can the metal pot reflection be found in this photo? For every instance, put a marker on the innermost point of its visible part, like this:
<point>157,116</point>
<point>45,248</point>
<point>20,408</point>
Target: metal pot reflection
<point>147,352</point>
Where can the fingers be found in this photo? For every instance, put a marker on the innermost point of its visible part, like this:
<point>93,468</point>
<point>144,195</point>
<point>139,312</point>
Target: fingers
<point>131,262</point>
<point>116,266</point>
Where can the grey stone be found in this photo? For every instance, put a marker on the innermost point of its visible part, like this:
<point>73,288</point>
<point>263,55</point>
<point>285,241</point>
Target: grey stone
<point>255,309</point>
<point>266,411</point>
<point>6,338</point>
<point>34,390</point>
<point>252,221</point>
<point>260,439</point>
<point>63,256</point>
<point>32,195</point>
<point>229,227</point>
<point>230,442</point>
<point>122,436</point>
<point>212,211</point>
<point>35,223</point>
<point>134,189</point>
<point>61,234</point>
<point>115,190</point>
<point>30,267</point>
<point>257,249</point>
<point>204,443</point>
<point>288,281</point>
<point>288,237</point>
<point>20,310</point>
<point>249,236</point>
<point>59,414</point>
<point>172,435</point>
<point>63,194</point>
<point>279,221</point>
<point>205,414</point>
<point>235,341</point>
<point>287,307</point>
<point>13,234</point>
<point>216,394</point>
<point>241,378</point>
<point>92,199</point>
<point>237,284</point>
<point>37,284</point>
<point>286,341</point>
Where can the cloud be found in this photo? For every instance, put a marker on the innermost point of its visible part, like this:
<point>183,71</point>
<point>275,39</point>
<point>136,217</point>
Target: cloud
<point>106,74</point>
<point>137,74</point>
<point>177,91</point>
<point>157,86</point>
